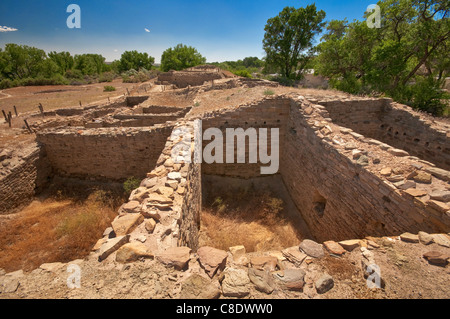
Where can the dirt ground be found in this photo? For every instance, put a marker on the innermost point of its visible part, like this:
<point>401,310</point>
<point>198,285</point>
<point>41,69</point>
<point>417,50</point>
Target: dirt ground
<point>407,275</point>
<point>27,98</point>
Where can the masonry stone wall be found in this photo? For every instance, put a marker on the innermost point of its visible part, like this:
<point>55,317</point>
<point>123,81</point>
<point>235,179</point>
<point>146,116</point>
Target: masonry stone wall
<point>338,198</point>
<point>169,200</point>
<point>191,208</point>
<point>25,179</point>
<point>183,79</point>
<point>135,100</point>
<point>268,113</point>
<point>112,154</point>
<point>141,120</point>
<point>394,124</point>
<point>407,130</point>
<point>157,109</point>
<point>361,115</point>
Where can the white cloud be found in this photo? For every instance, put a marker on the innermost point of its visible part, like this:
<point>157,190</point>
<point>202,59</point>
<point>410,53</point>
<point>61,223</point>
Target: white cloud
<point>7,29</point>
<point>146,30</point>
<point>115,50</point>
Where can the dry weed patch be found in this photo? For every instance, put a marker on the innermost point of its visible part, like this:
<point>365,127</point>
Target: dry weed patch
<point>55,230</point>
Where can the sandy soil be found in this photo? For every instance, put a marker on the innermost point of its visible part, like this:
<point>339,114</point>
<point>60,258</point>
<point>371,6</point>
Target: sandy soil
<point>27,98</point>
<point>407,276</point>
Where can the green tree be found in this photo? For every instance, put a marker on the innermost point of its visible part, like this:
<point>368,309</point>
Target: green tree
<point>135,60</point>
<point>21,61</point>
<point>290,35</point>
<point>406,58</point>
<point>89,64</point>
<point>64,61</point>
<point>253,62</point>
<point>181,57</point>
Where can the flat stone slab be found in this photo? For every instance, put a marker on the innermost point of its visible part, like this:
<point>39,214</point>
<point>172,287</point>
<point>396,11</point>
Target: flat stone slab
<point>436,258</point>
<point>111,246</point>
<point>439,206</point>
<point>334,248</point>
<point>398,152</point>
<point>312,249</point>
<point>262,279</point>
<point>415,192</point>
<point>290,279</point>
<point>386,171</point>
<point>131,252</point>
<point>442,240</point>
<point>294,255</point>
<point>439,173</point>
<point>174,176</point>
<point>439,195</point>
<point>212,259</point>
<point>132,207</point>
<point>125,224</point>
<point>52,267</point>
<point>177,257</point>
<point>409,238</point>
<point>351,244</point>
<point>160,199</point>
<point>235,283</point>
<point>264,262</point>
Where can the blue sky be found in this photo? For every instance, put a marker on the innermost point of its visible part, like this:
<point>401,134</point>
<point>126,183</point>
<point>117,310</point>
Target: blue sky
<point>220,29</point>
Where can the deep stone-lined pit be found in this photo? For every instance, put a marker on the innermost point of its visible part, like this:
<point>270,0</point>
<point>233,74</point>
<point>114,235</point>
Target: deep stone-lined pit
<point>331,173</point>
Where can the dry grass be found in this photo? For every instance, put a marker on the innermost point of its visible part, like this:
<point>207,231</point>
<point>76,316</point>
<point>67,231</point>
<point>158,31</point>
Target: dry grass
<point>339,268</point>
<point>54,230</point>
<point>255,221</point>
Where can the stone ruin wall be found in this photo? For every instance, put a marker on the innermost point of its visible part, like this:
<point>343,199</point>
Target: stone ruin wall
<point>169,198</point>
<point>338,198</point>
<point>184,79</point>
<point>357,202</point>
<point>393,124</point>
<point>110,154</point>
<point>268,113</point>
<point>24,179</point>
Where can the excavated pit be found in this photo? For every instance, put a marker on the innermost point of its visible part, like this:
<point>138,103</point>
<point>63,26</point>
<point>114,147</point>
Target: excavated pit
<point>328,177</point>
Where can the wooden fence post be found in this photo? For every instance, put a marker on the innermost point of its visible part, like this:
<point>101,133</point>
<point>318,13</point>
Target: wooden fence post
<point>28,126</point>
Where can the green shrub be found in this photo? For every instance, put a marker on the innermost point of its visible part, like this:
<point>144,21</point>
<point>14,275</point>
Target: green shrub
<point>73,74</point>
<point>54,80</point>
<point>107,77</point>
<point>269,92</point>
<point>143,75</point>
<point>109,88</point>
<point>131,184</point>
<point>6,84</point>
<point>349,84</point>
<point>243,73</point>
<point>427,95</point>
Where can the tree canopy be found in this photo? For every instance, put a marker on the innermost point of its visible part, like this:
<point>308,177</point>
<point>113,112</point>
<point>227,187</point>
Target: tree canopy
<point>135,60</point>
<point>181,57</point>
<point>407,58</point>
<point>289,37</point>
